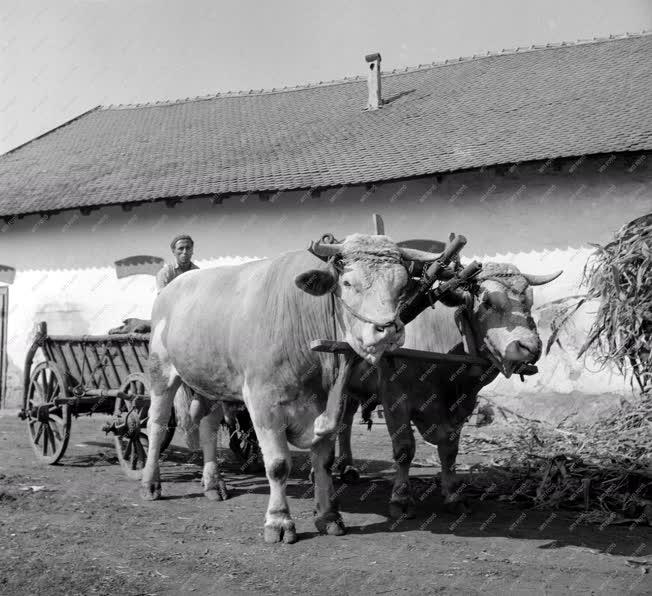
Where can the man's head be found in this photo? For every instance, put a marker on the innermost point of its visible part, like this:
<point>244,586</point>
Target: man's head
<point>182,248</point>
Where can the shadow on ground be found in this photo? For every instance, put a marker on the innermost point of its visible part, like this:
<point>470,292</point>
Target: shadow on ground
<point>484,518</point>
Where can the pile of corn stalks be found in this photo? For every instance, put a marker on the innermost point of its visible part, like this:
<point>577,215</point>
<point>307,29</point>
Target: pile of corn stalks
<point>619,276</point>
<point>604,469</point>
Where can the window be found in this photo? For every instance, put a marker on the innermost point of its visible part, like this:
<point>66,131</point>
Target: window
<point>138,264</point>
<point>7,274</point>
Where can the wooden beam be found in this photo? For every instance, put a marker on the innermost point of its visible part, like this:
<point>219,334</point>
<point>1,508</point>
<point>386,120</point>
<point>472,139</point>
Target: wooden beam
<point>342,347</point>
<point>379,225</point>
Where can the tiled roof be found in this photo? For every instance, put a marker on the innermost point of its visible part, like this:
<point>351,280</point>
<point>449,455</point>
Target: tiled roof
<point>519,105</point>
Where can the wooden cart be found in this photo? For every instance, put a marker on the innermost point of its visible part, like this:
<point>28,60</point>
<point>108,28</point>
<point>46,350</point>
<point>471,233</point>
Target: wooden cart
<point>68,375</point>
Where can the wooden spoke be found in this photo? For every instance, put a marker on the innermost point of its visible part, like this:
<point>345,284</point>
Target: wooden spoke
<point>46,437</point>
<point>39,434</point>
<point>134,453</point>
<point>55,432</point>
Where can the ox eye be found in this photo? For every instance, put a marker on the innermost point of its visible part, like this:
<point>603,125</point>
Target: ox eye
<point>346,284</point>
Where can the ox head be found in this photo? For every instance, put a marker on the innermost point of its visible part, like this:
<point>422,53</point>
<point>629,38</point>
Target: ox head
<point>499,315</point>
<point>368,276</point>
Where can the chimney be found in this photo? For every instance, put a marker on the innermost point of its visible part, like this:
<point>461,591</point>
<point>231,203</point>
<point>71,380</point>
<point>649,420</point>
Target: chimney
<point>373,82</point>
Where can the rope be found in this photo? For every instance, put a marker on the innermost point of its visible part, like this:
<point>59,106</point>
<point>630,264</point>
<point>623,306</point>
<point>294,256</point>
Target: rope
<point>360,317</point>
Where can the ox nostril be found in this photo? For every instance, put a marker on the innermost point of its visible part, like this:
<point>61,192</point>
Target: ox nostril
<point>519,351</point>
<point>532,351</point>
<point>525,347</point>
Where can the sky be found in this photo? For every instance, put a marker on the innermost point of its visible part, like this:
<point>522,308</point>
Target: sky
<point>61,58</point>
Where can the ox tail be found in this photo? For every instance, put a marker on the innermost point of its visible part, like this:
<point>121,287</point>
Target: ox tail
<point>182,405</point>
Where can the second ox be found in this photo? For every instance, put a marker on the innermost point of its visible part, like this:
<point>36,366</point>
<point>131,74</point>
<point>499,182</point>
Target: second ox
<point>492,319</point>
<point>243,333</point>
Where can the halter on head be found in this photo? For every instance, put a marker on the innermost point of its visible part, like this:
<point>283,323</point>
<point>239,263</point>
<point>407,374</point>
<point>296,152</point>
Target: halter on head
<point>464,312</point>
<point>335,263</point>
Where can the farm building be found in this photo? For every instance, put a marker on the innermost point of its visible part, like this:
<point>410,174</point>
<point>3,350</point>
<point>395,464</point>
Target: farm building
<point>532,154</point>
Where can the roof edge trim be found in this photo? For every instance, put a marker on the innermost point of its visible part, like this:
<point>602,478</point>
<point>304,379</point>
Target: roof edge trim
<point>47,132</point>
<point>226,194</point>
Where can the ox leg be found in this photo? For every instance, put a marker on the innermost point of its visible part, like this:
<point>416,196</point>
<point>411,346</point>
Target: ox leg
<point>186,408</point>
<point>164,385</point>
<point>278,463</point>
<point>214,485</point>
<point>344,462</point>
<point>397,417</point>
<point>450,486</point>
<point>270,427</point>
<point>327,516</point>
<point>326,427</point>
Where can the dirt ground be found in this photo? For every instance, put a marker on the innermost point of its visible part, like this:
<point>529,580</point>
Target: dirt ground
<point>81,528</point>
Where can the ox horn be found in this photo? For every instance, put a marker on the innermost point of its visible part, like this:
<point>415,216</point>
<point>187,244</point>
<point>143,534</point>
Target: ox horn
<point>539,280</point>
<point>420,256</point>
<point>325,250</point>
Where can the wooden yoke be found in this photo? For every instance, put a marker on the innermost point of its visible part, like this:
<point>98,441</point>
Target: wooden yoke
<point>379,226</point>
<point>327,422</point>
<point>424,295</point>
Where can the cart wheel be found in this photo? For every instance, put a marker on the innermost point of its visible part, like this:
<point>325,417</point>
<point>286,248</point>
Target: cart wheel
<point>131,444</point>
<point>244,443</point>
<point>48,423</point>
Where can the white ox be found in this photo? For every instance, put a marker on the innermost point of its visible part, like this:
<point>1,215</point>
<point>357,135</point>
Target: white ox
<point>243,333</point>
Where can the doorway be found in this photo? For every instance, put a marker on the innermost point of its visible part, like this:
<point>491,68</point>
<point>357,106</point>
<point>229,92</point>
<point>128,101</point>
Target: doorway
<point>4,313</point>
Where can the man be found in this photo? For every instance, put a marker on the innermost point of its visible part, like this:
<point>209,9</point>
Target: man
<point>182,249</point>
<point>188,405</point>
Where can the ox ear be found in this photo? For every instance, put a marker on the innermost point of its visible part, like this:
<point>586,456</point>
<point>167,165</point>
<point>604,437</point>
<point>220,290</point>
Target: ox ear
<point>316,282</point>
<point>453,298</point>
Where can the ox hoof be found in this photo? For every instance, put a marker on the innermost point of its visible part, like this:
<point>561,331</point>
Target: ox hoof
<point>219,493</point>
<point>401,510</point>
<point>350,475</point>
<point>286,533</point>
<point>332,526</point>
<point>150,491</point>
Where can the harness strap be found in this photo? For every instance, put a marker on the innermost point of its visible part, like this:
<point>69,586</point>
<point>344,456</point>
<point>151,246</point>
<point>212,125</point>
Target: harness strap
<point>360,317</point>
<point>463,322</point>
<point>466,331</point>
<point>337,318</point>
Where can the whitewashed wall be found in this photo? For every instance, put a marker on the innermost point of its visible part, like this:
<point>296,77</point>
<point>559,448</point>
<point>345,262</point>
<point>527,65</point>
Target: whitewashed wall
<point>91,301</point>
<point>77,302</point>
